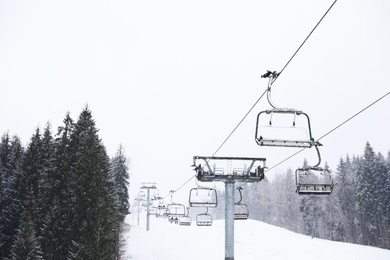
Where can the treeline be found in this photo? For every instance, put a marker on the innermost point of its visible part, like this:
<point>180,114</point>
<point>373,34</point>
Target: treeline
<point>61,196</point>
<point>357,211</point>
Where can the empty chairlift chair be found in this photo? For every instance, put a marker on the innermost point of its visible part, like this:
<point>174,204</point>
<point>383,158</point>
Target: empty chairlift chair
<point>313,181</point>
<point>161,211</point>
<point>186,220</point>
<point>204,219</point>
<point>203,197</point>
<point>283,127</point>
<point>241,211</point>
<point>176,210</point>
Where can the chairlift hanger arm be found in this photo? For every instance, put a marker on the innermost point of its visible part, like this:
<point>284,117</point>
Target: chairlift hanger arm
<point>239,190</point>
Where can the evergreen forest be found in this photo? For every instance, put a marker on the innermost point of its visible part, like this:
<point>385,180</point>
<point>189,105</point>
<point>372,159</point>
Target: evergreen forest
<point>61,196</point>
<point>357,211</point>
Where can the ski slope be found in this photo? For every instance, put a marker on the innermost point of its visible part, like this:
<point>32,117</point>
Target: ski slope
<point>253,240</point>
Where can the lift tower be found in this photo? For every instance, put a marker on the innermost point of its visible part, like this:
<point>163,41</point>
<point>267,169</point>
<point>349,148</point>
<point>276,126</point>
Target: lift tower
<point>229,175</point>
<point>148,186</point>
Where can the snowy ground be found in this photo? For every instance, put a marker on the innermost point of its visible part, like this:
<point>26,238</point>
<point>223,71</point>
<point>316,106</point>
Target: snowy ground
<point>253,240</point>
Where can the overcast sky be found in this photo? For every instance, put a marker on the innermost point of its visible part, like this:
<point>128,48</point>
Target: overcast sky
<point>171,79</point>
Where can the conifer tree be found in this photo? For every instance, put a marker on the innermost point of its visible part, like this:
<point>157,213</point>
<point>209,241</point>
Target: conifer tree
<point>120,177</point>
<point>26,244</point>
<point>57,232</point>
<point>93,208</point>
<point>44,199</point>
<point>11,208</point>
<point>367,194</point>
<point>32,170</point>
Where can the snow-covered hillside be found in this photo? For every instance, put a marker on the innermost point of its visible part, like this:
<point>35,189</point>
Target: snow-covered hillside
<point>253,240</point>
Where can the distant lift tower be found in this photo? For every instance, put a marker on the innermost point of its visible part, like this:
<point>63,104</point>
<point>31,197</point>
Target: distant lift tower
<point>148,186</point>
<point>253,172</point>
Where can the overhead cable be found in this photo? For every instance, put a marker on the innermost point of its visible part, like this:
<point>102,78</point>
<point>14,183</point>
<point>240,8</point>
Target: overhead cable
<point>257,101</point>
<point>332,130</point>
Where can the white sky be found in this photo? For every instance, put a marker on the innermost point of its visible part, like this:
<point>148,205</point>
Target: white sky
<point>171,79</point>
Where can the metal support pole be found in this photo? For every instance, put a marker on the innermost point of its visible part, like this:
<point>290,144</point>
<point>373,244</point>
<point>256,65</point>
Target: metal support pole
<point>138,212</point>
<point>229,220</point>
<point>148,211</point>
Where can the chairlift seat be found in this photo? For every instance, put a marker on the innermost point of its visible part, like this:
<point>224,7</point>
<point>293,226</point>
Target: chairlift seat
<point>241,216</point>
<point>284,143</point>
<point>317,189</point>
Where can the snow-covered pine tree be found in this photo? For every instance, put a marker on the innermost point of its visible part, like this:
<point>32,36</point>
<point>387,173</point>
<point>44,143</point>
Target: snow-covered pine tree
<point>57,232</point>
<point>32,169</point>
<point>26,245</point>
<point>367,196</point>
<point>11,158</point>
<point>386,214</point>
<point>93,210</point>
<point>44,198</point>
<point>119,176</point>
<point>382,198</point>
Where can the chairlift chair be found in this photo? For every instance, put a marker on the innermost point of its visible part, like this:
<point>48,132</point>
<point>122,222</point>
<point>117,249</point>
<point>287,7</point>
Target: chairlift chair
<point>176,210</point>
<point>204,219</point>
<point>281,134</point>
<point>185,221</point>
<point>278,121</point>
<point>203,197</point>
<point>314,179</point>
<point>161,212</point>
<point>241,211</point>
<point>311,180</point>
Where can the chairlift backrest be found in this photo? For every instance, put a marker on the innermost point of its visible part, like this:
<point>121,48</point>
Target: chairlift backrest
<point>176,210</point>
<point>284,133</point>
<point>203,197</point>
<point>313,181</point>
